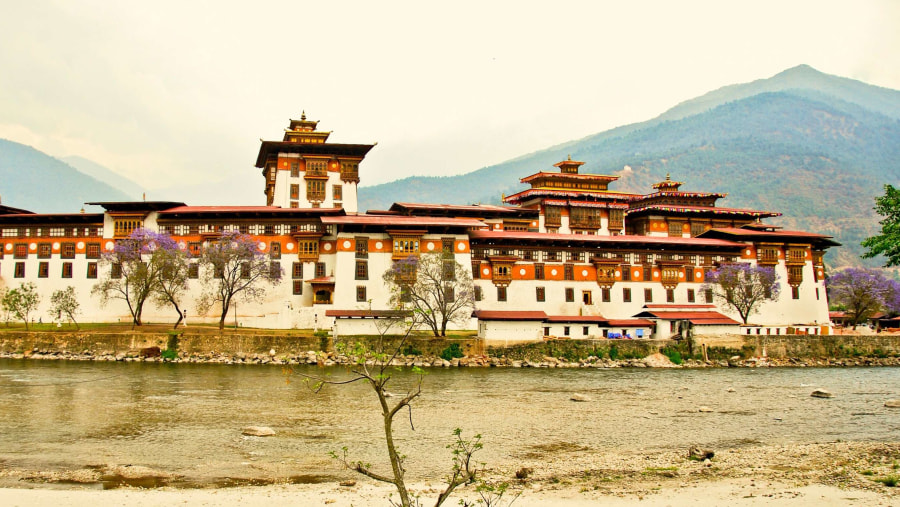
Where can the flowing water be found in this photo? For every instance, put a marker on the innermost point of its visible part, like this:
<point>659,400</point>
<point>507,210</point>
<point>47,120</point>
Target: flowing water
<point>186,419</point>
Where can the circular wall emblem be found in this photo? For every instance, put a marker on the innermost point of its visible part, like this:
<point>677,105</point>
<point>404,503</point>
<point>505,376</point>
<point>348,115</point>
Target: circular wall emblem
<point>262,246</point>
<point>289,246</point>
<point>522,271</point>
<point>584,272</point>
<point>346,243</point>
<point>32,247</point>
<point>182,245</point>
<point>378,245</point>
<point>749,252</point>
<point>636,274</point>
<point>109,246</point>
<point>460,246</point>
<point>81,245</point>
<point>680,275</point>
<point>9,247</point>
<point>429,246</point>
<point>553,272</point>
<point>617,273</point>
<point>656,274</point>
<point>486,271</point>
<point>327,247</point>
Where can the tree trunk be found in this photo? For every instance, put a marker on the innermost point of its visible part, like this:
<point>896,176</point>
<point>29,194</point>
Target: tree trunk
<point>224,314</point>
<point>178,311</point>
<point>396,460</point>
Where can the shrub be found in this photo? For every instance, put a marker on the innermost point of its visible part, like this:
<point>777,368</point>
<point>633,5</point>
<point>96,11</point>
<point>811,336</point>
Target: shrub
<point>614,353</point>
<point>673,355</point>
<point>410,350</point>
<point>452,351</point>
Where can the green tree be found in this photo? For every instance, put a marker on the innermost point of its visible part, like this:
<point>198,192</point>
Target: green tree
<point>888,242</point>
<point>21,302</point>
<point>65,302</point>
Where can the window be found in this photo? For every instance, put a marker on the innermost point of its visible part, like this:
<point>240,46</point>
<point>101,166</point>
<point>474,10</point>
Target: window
<point>708,295</point>
<point>315,167</point>
<point>570,295</point>
<point>193,270</point>
<point>670,295</point>
<point>552,216</point>
<point>626,294</point>
<point>92,251</point>
<point>67,270</point>
<point>697,229</point>
<point>308,249</point>
<point>675,229</point>
<point>584,330</point>
<point>449,293</point>
<point>298,287</point>
<point>626,273</point>
<point>404,247</point>
<point>616,219</point>
<point>360,293</point>
<point>297,271</point>
<point>320,270</point>
<point>795,292</point>
<point>538,271</point>
<point>688,274</point>
<point>275,270</point>
<point>337,193</point>
<point>501,293</point>
<point>194,248</point>
<point>92,270</point>
<point>315,190</point>
<point>125,225</point>
<point>478,295</point>
<point>362,270</point>
<point>295,169</point>
<point>476,270</point>
<point>566,330</point>
<point>43,269</point>
<point>275,250</point>
<point>245,270</point>
<point>44,251</point>
<point>568,272</point>
<point>21,251</point>
<point>115,271</point>
<point>20,270</point>
<point>295,191</point>
<point>540,294</point>
<point>817,293</point>
<point>587,298</point>
<point>690,295</point>
<point>362,248</point>
<point>447,248</point>
<point>648,295</point>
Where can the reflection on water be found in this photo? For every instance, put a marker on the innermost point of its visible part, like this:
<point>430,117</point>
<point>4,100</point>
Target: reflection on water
<point>186,419</point>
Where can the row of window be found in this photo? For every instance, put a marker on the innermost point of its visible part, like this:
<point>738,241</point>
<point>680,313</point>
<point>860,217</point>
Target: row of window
<point>44,270</point>
<point>605,295</point>
<point>252,229</point>
<point>44,251</point>
<point>588,255</point>
<point>503,272</point>
<point>51,232</point>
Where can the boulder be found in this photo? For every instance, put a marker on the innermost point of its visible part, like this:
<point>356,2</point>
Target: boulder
<point>892,404</point>
<point>658,361</point>
<point>698,454</point>
<point>821,393</point>
<point>705,409</point>
<point>580,397</point>
<point>258,431</point>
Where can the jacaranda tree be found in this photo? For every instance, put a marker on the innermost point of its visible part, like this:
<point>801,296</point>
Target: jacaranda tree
<point>743,287</point>
<point>863,292</point>
<point>235,266</point>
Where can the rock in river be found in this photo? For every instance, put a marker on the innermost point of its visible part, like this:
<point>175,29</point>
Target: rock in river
<point>821,393</point>
<point>580,397</point>
<point>892,404</point>
<point>258,431</point>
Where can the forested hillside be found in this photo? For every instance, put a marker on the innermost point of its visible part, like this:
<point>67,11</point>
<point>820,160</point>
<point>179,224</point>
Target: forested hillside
<point>817,148</point>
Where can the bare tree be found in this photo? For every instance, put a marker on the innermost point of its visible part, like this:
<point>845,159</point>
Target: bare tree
<point>743,287</point>
<point>172,277</point>
<point>235,267</point>
<point>436,286</point>
<point>374,366</point>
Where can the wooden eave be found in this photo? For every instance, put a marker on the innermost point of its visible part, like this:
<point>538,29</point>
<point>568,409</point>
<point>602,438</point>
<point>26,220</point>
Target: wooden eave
<point>273,148</point>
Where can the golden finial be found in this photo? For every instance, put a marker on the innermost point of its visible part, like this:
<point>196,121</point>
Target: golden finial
<point>303,115</point>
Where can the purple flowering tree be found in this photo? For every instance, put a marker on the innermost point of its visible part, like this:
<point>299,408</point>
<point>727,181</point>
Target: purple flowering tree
<point>136,266</point>
<point>435,287</point>
<point>862,292</point>
<point>743,287</point>
<point>235,267</point>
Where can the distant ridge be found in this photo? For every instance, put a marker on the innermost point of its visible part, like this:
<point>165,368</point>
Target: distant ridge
<point>104,174</point>
<point>35,181</point>
<point>814,146</point>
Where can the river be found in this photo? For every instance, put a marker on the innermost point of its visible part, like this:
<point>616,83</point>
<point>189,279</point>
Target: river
<point>186,419</point>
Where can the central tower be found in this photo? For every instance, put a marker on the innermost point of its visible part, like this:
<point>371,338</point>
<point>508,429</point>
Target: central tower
<point>304,170</point>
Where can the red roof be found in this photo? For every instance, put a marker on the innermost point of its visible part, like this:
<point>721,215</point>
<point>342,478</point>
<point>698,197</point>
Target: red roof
<point>393,220</point>
<point>542,192</point>
<point>774,235</point>
<point>576,318</point>
<point>590,238</point>
<point>570,176</point>
<point>458,207</point>
<point>246,209</point>
<point>509,315</point>
<point>707,318</point>
<point>325,280</point>
<point>630,323</point>
<point>376,314</point>
<point>671,306</point>
<point>703,209</point>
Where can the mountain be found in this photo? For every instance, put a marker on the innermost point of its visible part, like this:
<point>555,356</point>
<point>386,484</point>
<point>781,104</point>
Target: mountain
<point>104,174</point>
<point>815,147</point>
<point>35,181</point>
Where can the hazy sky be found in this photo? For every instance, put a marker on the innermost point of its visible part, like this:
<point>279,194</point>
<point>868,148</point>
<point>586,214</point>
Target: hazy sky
<point>179,92</point>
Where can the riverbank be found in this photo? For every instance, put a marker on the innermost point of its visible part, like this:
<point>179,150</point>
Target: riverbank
<point>312,357</point>
<point>836,473</point>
